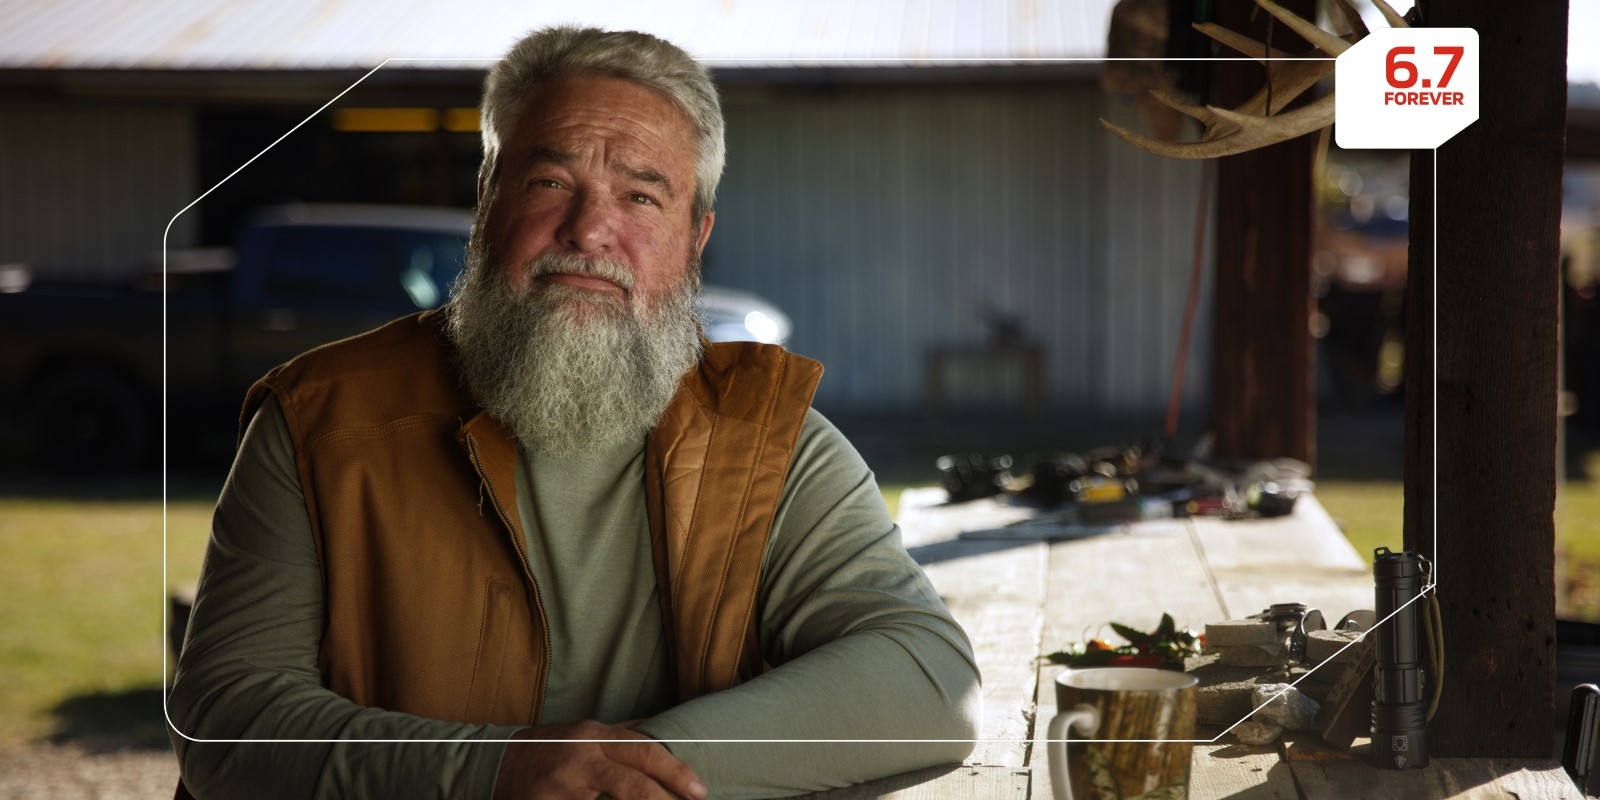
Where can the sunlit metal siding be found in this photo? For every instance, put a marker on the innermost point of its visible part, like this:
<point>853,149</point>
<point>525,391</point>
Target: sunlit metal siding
<point>90,186</point>
<point>1151,202</point>
<point>884,220</point>
<point>359,34</point>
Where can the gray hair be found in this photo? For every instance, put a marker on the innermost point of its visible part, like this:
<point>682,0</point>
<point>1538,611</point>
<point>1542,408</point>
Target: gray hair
<point>654,63</point>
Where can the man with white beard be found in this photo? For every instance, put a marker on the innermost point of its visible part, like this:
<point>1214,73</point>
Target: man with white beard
<point>566,366</point>
<point>547,542</point>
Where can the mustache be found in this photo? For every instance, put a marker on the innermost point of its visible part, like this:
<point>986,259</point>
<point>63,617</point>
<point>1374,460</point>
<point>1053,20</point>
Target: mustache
<point>553,262</point>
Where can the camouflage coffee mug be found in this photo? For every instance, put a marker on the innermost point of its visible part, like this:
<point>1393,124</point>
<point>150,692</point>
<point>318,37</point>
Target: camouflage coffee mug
<point>1138,727</point>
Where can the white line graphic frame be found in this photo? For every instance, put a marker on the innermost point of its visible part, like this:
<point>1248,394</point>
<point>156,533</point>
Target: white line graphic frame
<point>166,621</point>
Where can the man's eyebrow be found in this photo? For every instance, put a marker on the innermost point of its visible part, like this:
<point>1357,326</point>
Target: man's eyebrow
<point>650,176</point>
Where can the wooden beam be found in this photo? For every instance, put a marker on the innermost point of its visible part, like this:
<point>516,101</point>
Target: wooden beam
<point>1262,348</point>
<point>1497,216</point>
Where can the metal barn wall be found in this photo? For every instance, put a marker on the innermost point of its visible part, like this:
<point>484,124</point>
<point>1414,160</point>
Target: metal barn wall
<point>1151,203</point>
<point>886,219</point>
<point>89,186</point>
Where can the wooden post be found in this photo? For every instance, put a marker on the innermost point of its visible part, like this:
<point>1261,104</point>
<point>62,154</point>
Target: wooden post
<point>1261,347</point>
<point>1497,216</point>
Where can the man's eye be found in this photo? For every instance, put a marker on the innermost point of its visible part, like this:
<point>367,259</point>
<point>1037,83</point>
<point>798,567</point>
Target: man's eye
<point>641,199</point>
<point>545,183</point>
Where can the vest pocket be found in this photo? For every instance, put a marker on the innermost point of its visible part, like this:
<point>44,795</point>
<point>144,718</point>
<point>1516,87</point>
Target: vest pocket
<point>499,594</point>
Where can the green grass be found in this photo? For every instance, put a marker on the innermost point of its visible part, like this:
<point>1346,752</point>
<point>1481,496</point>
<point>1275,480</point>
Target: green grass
<point>1578,539</point>
<point>891,496</point>
<point>1370,514</point>
<point>1578,521</point>
<point>81,599</point>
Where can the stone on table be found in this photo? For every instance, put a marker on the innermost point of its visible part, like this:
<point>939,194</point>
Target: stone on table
<point>1284,705</point>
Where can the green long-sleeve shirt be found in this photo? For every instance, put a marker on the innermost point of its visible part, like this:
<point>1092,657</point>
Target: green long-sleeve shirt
<point>866,649</point>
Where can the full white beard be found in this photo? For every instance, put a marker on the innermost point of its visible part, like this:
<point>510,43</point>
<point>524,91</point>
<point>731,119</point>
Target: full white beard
<point>566,368</point>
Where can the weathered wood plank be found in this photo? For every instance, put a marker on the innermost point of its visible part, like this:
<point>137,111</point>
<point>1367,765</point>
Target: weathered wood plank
<point>1130,578</point>
<point>939,783</point>
<point>1301,558</point>
<point>1444,778</point>
<point>1238,771</point>
<point>997,596</point>
<point>1346,712</point>
<point>925,517</point>
<point>1248,592</point>
<point>1308,536</point>
<point>995,590</point>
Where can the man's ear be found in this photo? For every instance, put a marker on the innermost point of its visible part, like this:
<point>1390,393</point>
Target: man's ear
<point>705,231</point>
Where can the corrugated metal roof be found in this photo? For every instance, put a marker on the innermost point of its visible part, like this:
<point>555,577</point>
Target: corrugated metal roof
<point>360,34</point>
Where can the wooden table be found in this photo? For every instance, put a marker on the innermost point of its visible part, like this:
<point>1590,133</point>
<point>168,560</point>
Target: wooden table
<point>1020,594</point>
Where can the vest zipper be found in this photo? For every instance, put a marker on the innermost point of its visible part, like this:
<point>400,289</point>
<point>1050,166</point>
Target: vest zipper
<point>522,553</point>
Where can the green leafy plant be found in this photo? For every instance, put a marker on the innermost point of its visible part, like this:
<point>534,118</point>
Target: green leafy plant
<point>1165,647</point>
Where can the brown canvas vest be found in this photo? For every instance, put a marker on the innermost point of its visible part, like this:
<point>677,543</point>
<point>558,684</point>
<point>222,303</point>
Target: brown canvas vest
<point>431,608</point>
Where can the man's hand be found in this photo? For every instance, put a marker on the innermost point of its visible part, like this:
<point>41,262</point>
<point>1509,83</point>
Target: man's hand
<point>627,766</point>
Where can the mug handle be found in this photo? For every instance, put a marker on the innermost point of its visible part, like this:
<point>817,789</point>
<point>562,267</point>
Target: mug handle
<point>1086,719</point>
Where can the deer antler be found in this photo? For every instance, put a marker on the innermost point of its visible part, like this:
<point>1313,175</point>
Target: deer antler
<point>1258,123</point>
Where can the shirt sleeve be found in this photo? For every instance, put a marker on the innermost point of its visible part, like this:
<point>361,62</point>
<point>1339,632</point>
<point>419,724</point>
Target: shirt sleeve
<point>865,649</point>
<point>249,665</point>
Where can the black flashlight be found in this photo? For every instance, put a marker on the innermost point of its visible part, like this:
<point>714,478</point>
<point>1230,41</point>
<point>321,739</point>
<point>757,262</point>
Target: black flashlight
<point>1399,712</point>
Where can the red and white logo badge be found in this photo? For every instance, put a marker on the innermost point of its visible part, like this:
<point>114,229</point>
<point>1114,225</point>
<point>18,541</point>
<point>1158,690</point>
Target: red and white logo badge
<point>1406,88</point>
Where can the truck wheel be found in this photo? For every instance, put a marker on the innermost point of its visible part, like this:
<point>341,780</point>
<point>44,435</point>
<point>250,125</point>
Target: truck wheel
<point>88,418</point>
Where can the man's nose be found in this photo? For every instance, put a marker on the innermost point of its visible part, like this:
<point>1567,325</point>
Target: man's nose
<point>589,226</point>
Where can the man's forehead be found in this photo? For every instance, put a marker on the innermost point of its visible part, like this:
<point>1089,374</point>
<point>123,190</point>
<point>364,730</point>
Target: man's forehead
<point>638,133</point>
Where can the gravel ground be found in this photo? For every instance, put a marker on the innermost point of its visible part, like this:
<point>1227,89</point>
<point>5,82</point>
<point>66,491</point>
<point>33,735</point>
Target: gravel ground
<point>74,772</point>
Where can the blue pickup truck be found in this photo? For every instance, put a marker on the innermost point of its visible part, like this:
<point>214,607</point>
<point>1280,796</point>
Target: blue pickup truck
<point>84,366</point>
